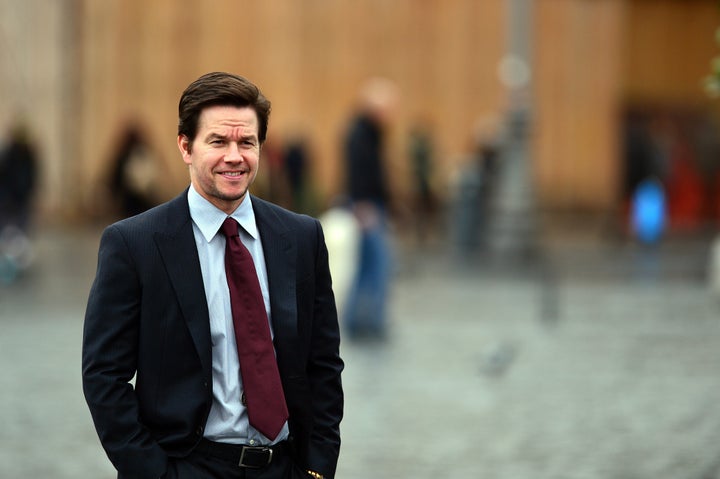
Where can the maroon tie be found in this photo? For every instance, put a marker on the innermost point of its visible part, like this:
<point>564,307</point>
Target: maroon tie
<point>261,380</point>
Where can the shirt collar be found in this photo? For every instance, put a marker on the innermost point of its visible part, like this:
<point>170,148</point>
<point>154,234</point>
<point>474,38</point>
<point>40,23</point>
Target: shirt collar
<point>209,218</point>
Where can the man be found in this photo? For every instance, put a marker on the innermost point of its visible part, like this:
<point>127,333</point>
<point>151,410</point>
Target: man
<point>18,179</point>
<point>369,196</point>
<point>163,309</point>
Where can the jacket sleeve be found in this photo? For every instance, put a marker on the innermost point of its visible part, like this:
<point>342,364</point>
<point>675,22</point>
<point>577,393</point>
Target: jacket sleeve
<point>109,361</point>
<point>324,369</point>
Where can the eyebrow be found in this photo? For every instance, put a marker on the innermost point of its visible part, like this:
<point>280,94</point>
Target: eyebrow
<point>220,136</point>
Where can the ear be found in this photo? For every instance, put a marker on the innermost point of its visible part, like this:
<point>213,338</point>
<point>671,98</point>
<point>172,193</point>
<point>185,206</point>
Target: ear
<point>184,146</point>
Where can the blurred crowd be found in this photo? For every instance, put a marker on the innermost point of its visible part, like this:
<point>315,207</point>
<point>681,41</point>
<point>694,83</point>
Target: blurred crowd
<point>671,178</point>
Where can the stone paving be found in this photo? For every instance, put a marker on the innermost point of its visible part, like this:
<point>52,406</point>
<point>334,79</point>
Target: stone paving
<point>477,380</point>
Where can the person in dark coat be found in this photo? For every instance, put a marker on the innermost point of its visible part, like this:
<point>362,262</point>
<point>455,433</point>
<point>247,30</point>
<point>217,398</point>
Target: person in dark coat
<point>18,178</point>
<point>161,361</point>
<point>368,193</point>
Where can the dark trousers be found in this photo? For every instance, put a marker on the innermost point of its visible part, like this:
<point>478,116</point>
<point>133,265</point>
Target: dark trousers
<point>203,464</point>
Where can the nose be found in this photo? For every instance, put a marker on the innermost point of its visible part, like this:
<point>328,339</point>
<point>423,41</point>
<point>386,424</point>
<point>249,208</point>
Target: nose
<point>233,154</point>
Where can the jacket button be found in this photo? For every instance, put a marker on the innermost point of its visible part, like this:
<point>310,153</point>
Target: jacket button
<point>199,431</point>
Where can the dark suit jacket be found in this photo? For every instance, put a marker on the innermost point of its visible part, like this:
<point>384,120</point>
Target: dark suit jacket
<point>147,317</point>
<point>366,179</point>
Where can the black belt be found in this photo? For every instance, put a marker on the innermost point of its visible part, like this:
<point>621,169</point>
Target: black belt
<point>244,456</point>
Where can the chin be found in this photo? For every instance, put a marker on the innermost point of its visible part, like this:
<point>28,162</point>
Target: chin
<point>235,196</point>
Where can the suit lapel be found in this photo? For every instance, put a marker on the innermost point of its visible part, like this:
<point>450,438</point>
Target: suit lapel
<point>176,244</point>
<point>179,253</point>
<point>280,252</point>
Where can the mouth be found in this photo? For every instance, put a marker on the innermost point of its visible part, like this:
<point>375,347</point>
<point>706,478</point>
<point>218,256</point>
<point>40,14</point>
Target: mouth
<point>232,174</point>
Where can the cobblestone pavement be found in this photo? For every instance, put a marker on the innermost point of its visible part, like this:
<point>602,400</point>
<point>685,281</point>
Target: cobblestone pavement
<point>610,371</point>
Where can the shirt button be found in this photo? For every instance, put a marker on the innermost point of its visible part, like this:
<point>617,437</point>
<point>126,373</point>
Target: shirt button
<point>253,442</point>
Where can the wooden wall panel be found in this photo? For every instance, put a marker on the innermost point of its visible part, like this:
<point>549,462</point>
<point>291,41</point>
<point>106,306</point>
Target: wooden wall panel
<point>36,87</point>
<point>577,90</point>
<point>80,69</point>
<point>593,58</point>
<point>309,57</point>
<point>668,48</point>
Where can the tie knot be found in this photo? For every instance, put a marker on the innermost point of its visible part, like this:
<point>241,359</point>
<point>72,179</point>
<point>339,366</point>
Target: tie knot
<point>229,227</point>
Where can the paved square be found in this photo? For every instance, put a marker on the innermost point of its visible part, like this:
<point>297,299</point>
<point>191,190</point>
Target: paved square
<point>473,381</point>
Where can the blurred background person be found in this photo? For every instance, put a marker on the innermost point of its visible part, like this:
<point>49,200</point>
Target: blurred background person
<point>274,184</point>
<point>369,197</point>
<point>296,162</point>
<point>134,177</point>
<point>342,238</point>
<point>648,211</point>
<point>474,187</point>
<point>18,179</point>
<point>420,155</point>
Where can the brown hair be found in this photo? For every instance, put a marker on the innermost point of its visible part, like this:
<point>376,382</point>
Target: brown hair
<point>219,88</point>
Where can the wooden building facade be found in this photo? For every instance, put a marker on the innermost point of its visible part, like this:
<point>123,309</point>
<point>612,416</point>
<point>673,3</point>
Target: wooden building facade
<point>80,70</point>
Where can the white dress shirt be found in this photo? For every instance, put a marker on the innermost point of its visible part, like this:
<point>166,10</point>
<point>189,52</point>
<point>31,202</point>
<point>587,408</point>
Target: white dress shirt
<point>228,419</point>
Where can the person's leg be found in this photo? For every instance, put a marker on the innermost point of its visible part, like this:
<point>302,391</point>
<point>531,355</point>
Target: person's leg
<point>377,279</point>
<point>356,305</point>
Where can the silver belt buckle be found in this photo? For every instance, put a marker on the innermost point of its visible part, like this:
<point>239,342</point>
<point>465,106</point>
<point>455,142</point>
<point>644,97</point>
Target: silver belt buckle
<point>252,449</point>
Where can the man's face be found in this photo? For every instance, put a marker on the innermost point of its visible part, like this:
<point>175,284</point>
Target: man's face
<point>225,154</point>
